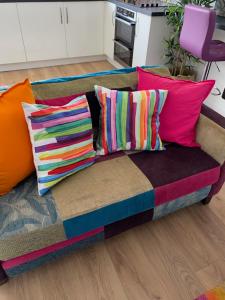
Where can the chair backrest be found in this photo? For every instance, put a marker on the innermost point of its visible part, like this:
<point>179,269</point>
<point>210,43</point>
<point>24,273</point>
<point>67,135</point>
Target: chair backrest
<point>197,31</point>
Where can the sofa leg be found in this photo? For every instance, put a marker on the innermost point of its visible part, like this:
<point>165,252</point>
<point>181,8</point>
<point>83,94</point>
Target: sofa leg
<point>206,200</point>
<point>3,277</point>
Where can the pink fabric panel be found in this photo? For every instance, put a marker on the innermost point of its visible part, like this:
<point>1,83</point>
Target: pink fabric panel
<point>186,186</point>
<point>58,101</point>
<point>181,110</point>
<point>38,253</point>
<point>218,185</point>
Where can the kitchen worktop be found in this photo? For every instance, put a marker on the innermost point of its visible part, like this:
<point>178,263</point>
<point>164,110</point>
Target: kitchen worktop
<point>150,11</point>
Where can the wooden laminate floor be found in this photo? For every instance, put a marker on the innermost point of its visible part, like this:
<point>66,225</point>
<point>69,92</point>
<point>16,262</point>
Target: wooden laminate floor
<point>175,258</point>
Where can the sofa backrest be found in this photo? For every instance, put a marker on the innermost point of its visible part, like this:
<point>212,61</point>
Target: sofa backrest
<point>210,134</point>
<point>66,86</point>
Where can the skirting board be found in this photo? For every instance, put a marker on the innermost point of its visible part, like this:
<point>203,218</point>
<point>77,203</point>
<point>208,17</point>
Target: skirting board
<point>114,63</point>
<point>53,62</point>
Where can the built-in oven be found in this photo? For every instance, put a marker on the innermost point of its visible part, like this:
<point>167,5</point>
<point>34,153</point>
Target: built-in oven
<point>125,21</point>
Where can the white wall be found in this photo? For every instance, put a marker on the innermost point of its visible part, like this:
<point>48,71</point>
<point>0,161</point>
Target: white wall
<point>217,102</point>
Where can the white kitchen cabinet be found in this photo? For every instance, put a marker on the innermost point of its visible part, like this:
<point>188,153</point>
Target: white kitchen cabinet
<point>43,30</point>
<point>84,28</point>
<point>109,29</point>
<point>12,48</point>
<point>141,40</point>
<point>151,31</point>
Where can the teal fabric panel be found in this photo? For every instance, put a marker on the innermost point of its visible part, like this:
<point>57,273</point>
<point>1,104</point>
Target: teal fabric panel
<point>181,202</point>
<point>109,214</point>
<point>51,256</point>
<point>70,78</point>
<point>102,73</point>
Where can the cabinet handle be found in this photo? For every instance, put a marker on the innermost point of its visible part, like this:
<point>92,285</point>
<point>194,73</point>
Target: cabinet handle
<point>113,17</point>
<point>67,16</point>
<point>125,22</point>
<point>121,45</point>
<point>61,16</point>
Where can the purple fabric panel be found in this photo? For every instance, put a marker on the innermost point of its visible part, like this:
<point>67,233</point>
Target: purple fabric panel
<point>61,144</point>
<point>213,115</point>
<point>176,163</point>
<point>73,136</point>
<point>120,226</point>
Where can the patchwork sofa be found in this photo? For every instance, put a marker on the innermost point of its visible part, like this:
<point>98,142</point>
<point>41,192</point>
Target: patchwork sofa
<point>118,192</point>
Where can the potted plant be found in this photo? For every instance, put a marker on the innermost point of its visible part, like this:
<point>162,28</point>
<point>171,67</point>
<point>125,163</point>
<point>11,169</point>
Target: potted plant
<point>180,62</point>
<point>220,7</point>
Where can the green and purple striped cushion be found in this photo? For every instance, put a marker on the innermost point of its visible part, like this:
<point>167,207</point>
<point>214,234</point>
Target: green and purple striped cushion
<point>129,120</point>
<point>61,138</point>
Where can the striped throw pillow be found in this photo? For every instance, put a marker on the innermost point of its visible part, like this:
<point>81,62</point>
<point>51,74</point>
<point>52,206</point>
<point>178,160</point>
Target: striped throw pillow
<point>129,120</point>
<point>61,138</point>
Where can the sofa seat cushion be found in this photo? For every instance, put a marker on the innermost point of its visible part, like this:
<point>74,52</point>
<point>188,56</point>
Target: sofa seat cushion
<point>111,190</point>
<point>87,201</point>
<point>178,171</point>
<point>119,191</point>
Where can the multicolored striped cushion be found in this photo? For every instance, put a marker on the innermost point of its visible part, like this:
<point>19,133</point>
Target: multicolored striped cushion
<point>129,120</point>
<point>62,140</point>
<point>217,293</point>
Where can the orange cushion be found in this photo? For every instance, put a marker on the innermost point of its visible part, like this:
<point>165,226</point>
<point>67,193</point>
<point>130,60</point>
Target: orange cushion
<point>16,159</point>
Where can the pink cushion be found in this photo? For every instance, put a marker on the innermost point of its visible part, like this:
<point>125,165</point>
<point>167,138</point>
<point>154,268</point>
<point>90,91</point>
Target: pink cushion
<point>181,110</point>
<point>58,101</point>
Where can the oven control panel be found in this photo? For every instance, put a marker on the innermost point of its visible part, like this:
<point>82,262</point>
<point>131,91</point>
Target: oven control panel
<point>126,13</point>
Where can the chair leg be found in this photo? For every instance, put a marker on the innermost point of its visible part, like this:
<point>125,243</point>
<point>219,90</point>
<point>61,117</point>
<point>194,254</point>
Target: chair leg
<point>207,70</point>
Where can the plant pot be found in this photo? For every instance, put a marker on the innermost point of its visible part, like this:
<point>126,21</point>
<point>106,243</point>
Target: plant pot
<point>191,77</point>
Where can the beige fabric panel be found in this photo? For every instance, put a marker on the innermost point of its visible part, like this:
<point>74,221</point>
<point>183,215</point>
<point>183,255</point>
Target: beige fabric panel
<point>27,242</point>
<point>104,183</point>
<point>54,90</point>
<point>211,137</point>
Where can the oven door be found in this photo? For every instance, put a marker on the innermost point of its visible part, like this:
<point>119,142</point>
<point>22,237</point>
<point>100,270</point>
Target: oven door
<point>125,32</point>
<point>122,54</point>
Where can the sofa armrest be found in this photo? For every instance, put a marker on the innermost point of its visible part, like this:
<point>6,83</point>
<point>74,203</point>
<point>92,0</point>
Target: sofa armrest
<point>211,134</point>
<point>211,137</point>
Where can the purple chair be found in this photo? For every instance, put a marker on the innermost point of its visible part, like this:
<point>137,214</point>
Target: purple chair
<point>196,35</point>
